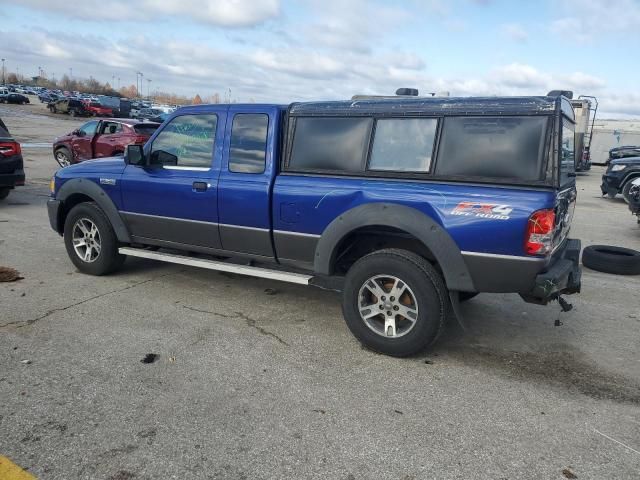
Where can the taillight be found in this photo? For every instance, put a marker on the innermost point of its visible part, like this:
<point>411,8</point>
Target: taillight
<point>141,140</point>
<point>10,148</point>
<point>539,238</point>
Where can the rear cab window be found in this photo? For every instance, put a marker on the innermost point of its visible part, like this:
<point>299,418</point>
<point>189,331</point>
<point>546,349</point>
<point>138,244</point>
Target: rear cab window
<point>403,144</point>
<point>507,148</point>
<point>330,144</point>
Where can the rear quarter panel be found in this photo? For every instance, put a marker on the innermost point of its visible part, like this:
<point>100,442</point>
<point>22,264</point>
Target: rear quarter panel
<point>479,218</point>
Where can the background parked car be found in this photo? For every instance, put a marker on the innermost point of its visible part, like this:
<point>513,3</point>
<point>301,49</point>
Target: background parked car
<point>11,165</point>
<point>623,152</point>
<point>16,98</point>
<point>97,109</point>
<point>101,138</point>
<point>619,176</point>
<point>152,114</point>
<point>72,107</point>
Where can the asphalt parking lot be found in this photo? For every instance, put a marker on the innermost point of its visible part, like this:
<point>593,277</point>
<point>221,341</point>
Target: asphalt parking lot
<point>256,379</point>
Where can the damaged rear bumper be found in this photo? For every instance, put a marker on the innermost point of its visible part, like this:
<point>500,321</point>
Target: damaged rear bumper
<point>562,277</point>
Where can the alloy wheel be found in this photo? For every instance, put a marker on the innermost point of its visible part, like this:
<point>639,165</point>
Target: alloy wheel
<point>387,306</point>
<point>86,240</point>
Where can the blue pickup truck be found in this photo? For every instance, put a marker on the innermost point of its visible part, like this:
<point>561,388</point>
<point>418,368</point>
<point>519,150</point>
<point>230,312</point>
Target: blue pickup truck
<point>407,205</point>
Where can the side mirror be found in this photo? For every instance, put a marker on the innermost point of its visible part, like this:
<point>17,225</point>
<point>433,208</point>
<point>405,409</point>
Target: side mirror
<point>80,133</point>
<point>134,155</point>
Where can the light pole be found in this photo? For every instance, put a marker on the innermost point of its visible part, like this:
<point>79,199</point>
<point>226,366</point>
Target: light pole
<point>148,88</point>
<point>139,84</point>
<point>118,83</point>
<point>3,71</point>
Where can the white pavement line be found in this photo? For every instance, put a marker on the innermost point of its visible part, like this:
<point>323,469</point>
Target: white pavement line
<point>618,442</point>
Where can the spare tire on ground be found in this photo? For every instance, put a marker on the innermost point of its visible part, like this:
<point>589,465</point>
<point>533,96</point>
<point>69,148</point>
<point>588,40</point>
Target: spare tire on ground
<point>610,259</point>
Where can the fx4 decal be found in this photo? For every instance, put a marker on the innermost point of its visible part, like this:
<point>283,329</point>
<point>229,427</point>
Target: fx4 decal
<point>483,210</point>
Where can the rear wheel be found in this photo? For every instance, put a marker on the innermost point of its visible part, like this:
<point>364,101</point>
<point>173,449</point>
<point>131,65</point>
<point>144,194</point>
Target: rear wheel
<point>63,156</point>
<point>394,302</point>
<point>91,243</point>
<point>4,193</point>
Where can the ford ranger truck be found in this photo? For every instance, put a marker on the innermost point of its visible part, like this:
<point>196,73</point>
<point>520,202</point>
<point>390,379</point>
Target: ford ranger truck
<point>405,205</point>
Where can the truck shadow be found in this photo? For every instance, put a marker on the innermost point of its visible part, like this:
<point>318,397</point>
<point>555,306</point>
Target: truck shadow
<point>489,342</point>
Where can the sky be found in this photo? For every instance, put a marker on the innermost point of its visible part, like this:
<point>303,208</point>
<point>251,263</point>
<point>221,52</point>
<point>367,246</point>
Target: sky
<point>283,51</point>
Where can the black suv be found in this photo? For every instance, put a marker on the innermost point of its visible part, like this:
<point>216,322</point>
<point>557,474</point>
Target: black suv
<point>619,176</point>
<point>11,167</point>
<point>623,152</point>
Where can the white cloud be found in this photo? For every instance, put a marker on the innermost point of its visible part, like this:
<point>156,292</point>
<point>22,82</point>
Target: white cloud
<point>582,81</point>
<point>515,32</point>
<point>587,20</point>
<point>273,73</point>
<point>224,13</point>
<point>520,76</point>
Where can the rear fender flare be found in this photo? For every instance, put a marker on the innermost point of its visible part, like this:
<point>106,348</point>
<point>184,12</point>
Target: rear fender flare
<point>429,232</point>
<point>98,195</point>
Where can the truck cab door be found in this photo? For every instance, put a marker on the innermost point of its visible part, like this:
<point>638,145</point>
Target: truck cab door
<point>173,200</point>
<point>244,196</point>
<point>82,142</point>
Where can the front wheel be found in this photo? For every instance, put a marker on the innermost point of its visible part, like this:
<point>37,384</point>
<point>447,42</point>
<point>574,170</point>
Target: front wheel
<point>626,189</point>
<point>90,241</point>
<point>395,302</point>
<point>63,157</point>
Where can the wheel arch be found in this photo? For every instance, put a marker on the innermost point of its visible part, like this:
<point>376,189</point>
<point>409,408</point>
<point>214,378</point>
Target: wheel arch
<point>630,177</point>
<point>398,218</point>
<point>79,190</point>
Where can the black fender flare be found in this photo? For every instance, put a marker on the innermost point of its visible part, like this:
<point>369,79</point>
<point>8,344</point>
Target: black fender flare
<point>431,234</point>
<point>97,194</point>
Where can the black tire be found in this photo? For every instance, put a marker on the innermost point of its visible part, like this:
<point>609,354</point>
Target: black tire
<point>61,154</point>
<point>421,281</point>
<point>4,193</point>
<point>108,259</point>
<point>466,296</point>
<point>610,259</point>
<point>54,110</point>
<point>626,188</point>
<point>72,113</point>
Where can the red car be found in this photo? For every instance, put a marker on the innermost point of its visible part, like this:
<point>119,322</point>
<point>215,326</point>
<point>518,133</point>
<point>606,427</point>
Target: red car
<point>96,109</point>
<point>101,138</point>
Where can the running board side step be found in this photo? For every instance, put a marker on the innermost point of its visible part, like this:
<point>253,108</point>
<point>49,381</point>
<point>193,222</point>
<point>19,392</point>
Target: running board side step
<point>298,278</point>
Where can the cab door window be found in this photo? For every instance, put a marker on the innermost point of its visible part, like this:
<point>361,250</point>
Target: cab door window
<point>247,151</point>
<point>111,128</point>
<point>88,129</point>
<point>187,141</point>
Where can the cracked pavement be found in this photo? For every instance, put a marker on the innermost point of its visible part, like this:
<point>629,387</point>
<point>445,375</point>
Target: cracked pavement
<point>251,383</point>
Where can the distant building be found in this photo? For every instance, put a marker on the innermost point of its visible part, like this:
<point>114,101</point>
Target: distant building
<point>608,134</point>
